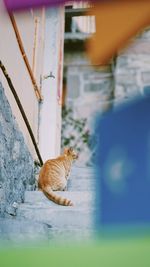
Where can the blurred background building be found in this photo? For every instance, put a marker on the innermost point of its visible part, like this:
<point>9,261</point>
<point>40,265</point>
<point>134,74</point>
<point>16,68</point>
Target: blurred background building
<point>93,89</point>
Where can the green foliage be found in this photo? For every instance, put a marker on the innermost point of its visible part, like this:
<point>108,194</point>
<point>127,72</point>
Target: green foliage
<point>74,131</point>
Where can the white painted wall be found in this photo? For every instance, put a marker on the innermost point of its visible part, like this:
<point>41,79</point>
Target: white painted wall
<point>11,57</point>
<point>50,116</point>
<point>31,26</point>
<point>49,54</point>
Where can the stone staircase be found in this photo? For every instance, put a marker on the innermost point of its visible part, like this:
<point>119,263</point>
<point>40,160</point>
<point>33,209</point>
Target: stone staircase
<point>41,218</point>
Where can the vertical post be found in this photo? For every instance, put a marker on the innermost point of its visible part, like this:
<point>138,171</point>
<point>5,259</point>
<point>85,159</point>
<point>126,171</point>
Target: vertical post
<point>50,115</point>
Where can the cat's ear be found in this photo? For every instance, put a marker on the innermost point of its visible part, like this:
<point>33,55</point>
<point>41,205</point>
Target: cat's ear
<point>66,150</point>
<point>71,150</point>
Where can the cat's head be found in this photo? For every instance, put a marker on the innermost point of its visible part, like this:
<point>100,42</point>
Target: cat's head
<point>71,152</point>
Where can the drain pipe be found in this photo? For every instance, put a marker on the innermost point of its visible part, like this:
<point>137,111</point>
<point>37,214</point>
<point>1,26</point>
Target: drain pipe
<point>35,86</point>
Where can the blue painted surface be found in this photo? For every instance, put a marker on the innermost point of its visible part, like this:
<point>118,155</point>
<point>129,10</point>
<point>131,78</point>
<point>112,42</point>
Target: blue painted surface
<point>123,165</point>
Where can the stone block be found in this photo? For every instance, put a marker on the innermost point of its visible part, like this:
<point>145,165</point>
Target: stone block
<point>138,47</point>
<point>104,86</point>
<point>127,78</point>
<point>73,86</point>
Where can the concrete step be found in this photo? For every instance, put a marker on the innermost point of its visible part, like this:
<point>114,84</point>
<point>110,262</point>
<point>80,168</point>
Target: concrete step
<point>20,230</point>
<point>38,208</point>
<point>80,199</point>
<point>63,223</point>
<point>82,179</point>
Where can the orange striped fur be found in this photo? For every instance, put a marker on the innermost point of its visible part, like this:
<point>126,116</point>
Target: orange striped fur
<point>54,175</point>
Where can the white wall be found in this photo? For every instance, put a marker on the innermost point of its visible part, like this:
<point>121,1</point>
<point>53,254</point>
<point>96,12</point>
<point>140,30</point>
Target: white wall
<point>48,44</point>
<point>50,117</point>
<point>31,25</point>
<point>11,57</point>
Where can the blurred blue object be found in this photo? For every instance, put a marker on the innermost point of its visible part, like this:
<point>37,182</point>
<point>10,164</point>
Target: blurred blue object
<point>123,166</point>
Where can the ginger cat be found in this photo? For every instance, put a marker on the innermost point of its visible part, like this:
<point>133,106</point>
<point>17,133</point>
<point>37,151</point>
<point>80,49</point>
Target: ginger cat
<point>54,175</point>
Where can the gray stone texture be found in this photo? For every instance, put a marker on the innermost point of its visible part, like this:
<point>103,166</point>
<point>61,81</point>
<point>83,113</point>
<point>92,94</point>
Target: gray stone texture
<point>74,84</point>
<point>20,230</point>
<point>16,163</point>
<point>133,68</point>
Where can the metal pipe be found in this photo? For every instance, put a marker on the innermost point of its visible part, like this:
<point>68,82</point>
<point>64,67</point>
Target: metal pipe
<point>36,89</point>
<point>21,110</point>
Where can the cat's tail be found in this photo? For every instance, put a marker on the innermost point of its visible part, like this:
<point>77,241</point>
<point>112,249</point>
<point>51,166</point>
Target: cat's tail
<point>51,195</point>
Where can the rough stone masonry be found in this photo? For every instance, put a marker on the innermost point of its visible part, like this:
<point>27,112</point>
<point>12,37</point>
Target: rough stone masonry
<point>16,163</point>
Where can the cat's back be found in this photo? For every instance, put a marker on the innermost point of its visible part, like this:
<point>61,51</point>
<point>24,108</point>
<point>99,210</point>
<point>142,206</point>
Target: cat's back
<point>52,169</point>
<point>51,173</point>
<point>53,164</point>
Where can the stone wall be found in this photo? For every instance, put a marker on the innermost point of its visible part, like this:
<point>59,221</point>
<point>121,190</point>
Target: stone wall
<point>132,70</point>
<point>128,76</point>
<point>16,163</point>
<point>92,91</point>
<point>89,89</point>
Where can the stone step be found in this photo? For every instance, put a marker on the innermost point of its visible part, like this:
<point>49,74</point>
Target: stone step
<point>81,183</point>
<point>38,208</point>
<point>20,230</point>
<point>80,199</point>
<point>82,179</point>
<point>84,171</point>
<point>72,235</point>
